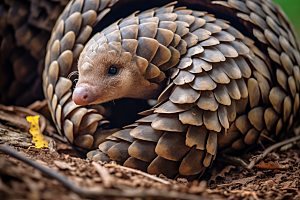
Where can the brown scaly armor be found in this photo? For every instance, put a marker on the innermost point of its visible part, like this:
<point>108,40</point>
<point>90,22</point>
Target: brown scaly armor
<point>25,28</point>
<point>231,80</point>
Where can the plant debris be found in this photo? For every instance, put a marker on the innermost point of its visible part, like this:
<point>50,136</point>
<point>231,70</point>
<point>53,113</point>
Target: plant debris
<point>101,180</point>
<point>271,165</point>
<point>37,136</point>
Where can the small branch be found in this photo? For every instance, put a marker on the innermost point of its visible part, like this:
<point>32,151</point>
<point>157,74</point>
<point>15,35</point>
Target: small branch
<point>269,149</point>
<point>106,178</point>
<point>261,144</point>
<point>232,160</point>
<point>263,135</point>
<point>98,191</point>
<point>140,173</point>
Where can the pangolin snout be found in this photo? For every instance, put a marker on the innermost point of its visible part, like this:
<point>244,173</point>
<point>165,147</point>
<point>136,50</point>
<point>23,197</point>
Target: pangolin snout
<point>81,96</point>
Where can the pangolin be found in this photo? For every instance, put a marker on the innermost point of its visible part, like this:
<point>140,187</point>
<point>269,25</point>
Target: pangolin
<point>223,82</point>
<point>25,28</point>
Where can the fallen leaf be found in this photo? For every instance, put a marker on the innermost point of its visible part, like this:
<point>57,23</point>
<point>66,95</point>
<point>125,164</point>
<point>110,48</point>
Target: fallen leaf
<point>37,136</point>
<point>286,184</point>
<point>291,189</point>
<point>278,176</point>
<point>294,184</point>
<point>276,171</point>
<point>271,165</point>
<point>222,173</point>
<point>244,180</point>
<point>63,165</point>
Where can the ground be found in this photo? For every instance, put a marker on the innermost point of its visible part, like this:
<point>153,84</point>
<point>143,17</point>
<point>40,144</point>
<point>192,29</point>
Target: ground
<point>95,180</point>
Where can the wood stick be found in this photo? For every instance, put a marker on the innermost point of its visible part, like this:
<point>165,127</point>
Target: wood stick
<point>99,192</point>
<point>140,172</point>
<point>107,179</point>
<point>271,148</point>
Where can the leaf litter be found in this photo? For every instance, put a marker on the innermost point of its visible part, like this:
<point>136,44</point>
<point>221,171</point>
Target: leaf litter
<point>277,177</point>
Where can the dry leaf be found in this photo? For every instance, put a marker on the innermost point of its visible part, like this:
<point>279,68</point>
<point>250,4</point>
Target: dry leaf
<point>63,165</point>
<point>276,171</point>
<point>286,184</point>
<point>291,190</point>
<point>222,173</point>
<point>271,165</point>
<point>244,180</point>
<point>37,136</point>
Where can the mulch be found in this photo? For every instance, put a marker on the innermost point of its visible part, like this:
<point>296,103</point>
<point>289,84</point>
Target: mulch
<point>277,177</point>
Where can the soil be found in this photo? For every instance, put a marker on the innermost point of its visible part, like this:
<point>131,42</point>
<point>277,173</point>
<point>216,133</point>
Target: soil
<point>277,178</point>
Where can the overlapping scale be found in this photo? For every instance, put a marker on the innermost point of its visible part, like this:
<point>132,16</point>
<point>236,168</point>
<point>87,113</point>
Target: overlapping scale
<point>219,82</point>
<point>192,163</point>
<point>143,150</point>
<point>172,146</point>
<point>170,107</point>
<point>184,94</point>
<point>73,28</point>
<point>203,82</point>
<point>192,116</point>
<point>146,133</point>
<point>168,122</point>
<point>207,101</point>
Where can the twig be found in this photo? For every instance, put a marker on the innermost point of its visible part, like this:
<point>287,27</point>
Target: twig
<point>224,185</point>
<point>98,192</point>
<point>232,160</point>
<point>261,144</point>
<point>140,173</point>
<point>245,192</point>
<point>106,178</point>
<point>271,148</point>
<point>267,137</point>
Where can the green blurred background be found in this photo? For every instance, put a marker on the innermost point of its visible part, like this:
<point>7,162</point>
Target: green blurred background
<point>292,10</point>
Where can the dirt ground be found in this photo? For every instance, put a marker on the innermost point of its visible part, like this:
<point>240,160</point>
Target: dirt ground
<point>90,180</point>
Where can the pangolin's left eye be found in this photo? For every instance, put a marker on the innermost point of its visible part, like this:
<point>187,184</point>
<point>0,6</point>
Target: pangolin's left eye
<point>113,70</point>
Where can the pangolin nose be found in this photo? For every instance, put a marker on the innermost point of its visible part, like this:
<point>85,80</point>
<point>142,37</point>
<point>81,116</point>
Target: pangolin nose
<point>82,96</point>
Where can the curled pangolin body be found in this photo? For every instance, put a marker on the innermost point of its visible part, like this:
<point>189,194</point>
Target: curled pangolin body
<point>25,28</point>
<point>225,91</point>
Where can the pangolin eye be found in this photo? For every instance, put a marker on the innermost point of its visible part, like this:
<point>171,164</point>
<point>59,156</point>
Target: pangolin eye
<point>113,70</point>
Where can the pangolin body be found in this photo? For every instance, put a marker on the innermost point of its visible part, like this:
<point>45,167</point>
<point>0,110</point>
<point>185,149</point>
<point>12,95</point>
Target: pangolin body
<point>222,90</point>
<point>25,28</point>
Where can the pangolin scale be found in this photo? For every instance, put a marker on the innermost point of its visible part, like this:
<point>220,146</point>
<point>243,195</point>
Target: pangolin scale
<point>25,28</point>
<point>231,80</point>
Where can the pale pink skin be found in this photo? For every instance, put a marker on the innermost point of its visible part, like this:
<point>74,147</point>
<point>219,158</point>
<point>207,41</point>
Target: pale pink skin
<point>82,94</point>
<point>95,85</point>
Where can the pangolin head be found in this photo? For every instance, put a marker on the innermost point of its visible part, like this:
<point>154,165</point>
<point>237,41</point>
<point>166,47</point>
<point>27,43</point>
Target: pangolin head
<point>108,72</point>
